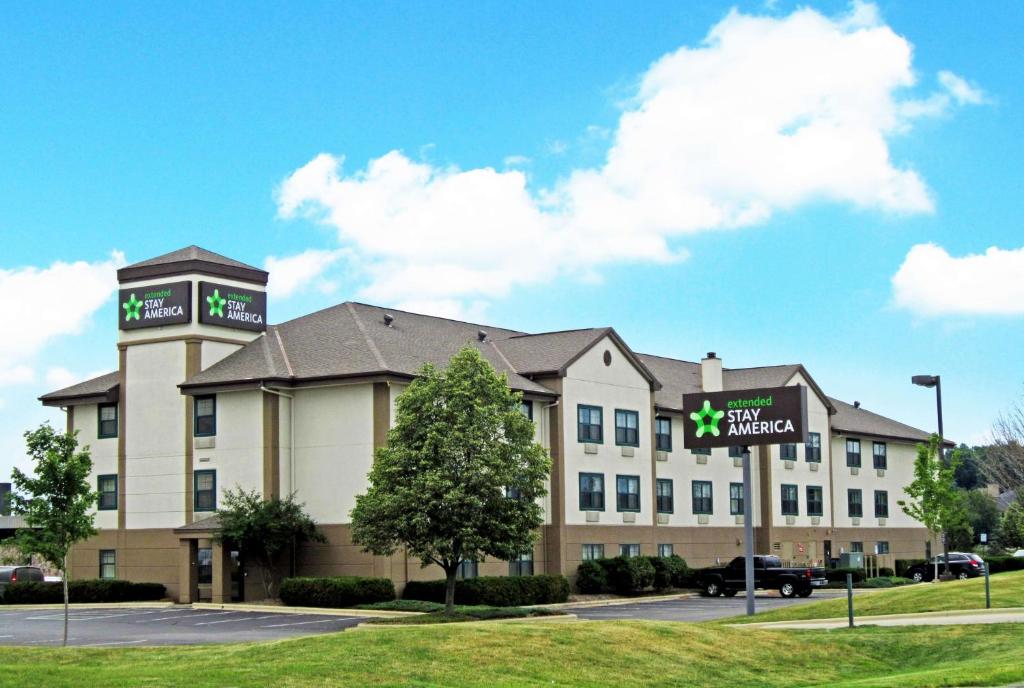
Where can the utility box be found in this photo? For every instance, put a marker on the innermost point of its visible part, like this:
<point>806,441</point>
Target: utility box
<point>851,560</point>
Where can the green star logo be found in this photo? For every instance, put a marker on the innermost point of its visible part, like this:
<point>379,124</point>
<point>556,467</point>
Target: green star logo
<point>216,303</point>
<point>131,308</point>
<point>707,419</point>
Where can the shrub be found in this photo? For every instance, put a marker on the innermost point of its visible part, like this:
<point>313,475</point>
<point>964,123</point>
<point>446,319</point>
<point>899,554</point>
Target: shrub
<point>839,575</point>
<point>337,591</point>
<point>88,590</point>
<point>629,575</point>
<point>669,572</point>
<point>1001,564</point>
<point>885,572</point>
<point>494,591</point>
<point>591,578</point>
<point>885,582</point>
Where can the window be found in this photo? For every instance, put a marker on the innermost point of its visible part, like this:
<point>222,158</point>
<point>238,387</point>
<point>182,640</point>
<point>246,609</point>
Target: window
<point>736,452</point>
<point>526,408</point>
<point>107,487</point>
<point>701,451</point>
<point>881,504</point>
<point>663,490</point>
<point>702,500</point>
<point>666,550</point>
<point>107,421</point>
<point>663,434</point>
<point>205,416</point>
<point>790,505</point>
<point>627,491</point>
<point>108,563</point>
<point>629,550</point>
<point>468,569</point>
<point>882,547</point>
<point>626,432</point>
<point>591,491</point>
<point>589,428</point>
<point>205,490</point>
<point>204,566</point>
<point>591,552</point>
<point>812,450</point>
<point>815,503</point>
<point>521,565</point>
<point>854,504</point>
<point>787,452</point>
<point>856,546</point>
<point>853,453</point>
<point>735,499</point>
<point>879,454</point>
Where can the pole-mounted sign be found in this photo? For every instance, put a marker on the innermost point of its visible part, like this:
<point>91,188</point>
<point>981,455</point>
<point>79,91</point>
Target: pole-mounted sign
<point>228,306</point>
<point>745,417</point>
<point>155,305</point>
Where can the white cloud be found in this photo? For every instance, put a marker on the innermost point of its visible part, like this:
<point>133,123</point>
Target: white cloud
<point>291,274</point>
<point>765,115</point>
<point>59,377</point>
<point>516,161</point>
<point>931,282</point>
<point>40,304</point>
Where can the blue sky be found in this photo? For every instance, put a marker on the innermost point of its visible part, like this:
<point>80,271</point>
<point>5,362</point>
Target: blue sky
<point>745,178</point>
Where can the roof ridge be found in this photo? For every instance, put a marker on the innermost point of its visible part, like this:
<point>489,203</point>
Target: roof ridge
<point>669,358</point>
<point>501,354</point>
<point>777,365</point>
<point>284,353</point>
<point>369,340</point>
<point>523,335</point>
<point>435,317</point>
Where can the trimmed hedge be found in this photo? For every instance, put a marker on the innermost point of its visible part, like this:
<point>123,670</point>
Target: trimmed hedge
<point>669,572</point>
<point>337,591</point>
<point>494,591</point>
<point>1002,563</point>
<point>839,575</point>
<point>591,578</point>
<point>633,575</point>
<point>89,590</point>
<point>629,575</point>
<point>885,582</point>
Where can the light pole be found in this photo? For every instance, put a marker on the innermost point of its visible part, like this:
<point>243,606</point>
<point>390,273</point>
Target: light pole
<point>935,381</point>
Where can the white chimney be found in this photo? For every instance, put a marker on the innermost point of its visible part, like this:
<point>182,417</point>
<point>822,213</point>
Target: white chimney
<point>711,373</point>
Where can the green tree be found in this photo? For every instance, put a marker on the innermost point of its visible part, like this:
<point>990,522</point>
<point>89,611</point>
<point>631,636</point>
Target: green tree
<point>461,475</point>
<point>56,502</point>
<point>1011,526</point>
<point>934,499</point>
<point>265,530</point>
<point>968,474</point>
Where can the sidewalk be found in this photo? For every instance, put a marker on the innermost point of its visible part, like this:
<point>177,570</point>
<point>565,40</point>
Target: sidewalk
<point>950,618</point>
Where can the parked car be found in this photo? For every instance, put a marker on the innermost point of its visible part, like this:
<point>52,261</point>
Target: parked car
<point>962,565</point>
<point>769,574</point>
<point>12,575</point>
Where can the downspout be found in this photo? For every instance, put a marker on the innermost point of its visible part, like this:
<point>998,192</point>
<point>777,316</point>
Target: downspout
<point>546,432</point>
<point>291,449</point>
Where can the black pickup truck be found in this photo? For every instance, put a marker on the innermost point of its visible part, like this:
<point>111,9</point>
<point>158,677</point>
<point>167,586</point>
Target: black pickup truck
<point>769,574</point>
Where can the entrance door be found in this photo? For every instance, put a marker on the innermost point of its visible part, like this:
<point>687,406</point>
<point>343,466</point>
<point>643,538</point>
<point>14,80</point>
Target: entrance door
<point>237,577</point>
<point>827,551</point>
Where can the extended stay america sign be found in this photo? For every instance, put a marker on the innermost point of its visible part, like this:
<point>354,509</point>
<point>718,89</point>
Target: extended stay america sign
<point>227,306</point>
<point>158,304</point>
<point>746,417</point>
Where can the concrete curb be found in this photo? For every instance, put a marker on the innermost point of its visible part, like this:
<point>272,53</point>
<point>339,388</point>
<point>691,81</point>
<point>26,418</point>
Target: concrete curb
<point>614,601</point>
<point>88,605</point>
<point>325,611</point>
<point>561,618</point>
<point>888,618</point>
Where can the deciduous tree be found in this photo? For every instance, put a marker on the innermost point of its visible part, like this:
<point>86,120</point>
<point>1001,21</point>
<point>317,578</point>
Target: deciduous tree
<point>461,475</point>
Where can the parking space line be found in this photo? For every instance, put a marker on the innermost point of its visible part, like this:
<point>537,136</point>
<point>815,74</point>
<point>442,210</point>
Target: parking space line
<point>303,623</point>
<point>244,618</point>
<point>188,614</point>
<point>81,617</point>
<point>114,642</point>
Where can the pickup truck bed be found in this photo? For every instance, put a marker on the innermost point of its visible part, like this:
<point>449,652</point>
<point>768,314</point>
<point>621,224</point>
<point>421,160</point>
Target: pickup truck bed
<point>769,574</point>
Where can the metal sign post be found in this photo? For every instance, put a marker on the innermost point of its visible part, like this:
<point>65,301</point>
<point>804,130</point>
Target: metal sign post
<point>748,531</point>
<point>745,417</point>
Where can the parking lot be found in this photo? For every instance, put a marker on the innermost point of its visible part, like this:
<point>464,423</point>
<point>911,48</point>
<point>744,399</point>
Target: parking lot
<point>115,627</point>
<point>692,608</point>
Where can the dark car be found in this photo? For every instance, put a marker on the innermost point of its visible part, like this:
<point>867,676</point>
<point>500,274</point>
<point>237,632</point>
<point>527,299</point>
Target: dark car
<point>962,565</point>
<point>769,574</point>
<point>12,575</point>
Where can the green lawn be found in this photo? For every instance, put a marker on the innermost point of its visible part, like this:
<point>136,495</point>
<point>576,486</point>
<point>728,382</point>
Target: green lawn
<point>559,654</point>
<point>1007,591</point>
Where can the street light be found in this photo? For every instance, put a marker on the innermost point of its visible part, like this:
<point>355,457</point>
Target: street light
<point>935,381</point>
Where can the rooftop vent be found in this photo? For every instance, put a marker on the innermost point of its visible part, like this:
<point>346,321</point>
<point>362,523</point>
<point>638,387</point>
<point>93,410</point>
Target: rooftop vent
<point>481,335</point>
<point>856,404</point>
<point>388,319</point>
<point>711,354</point>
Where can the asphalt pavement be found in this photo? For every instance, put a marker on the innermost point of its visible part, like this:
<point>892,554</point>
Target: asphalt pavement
<point>120,626</point>
<point>690,608</point>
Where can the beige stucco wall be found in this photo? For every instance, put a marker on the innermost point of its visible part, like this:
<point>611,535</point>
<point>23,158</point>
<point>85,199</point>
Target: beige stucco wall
<point>617,386</point>
<point>237,454</point>
<point>102,451</point>
<point>898,475</point>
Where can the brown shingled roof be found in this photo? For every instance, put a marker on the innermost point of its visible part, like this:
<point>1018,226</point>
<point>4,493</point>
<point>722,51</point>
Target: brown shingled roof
<point>103,388</point>
<point>854,420</point>
<point>191,259</point>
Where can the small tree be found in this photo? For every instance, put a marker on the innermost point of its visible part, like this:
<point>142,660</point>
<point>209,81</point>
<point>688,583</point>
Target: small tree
<point>934,499</point>
<point>460,476</point>
<point>265,530</point>
<point>56,502</point>
<point>1011,526</point>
